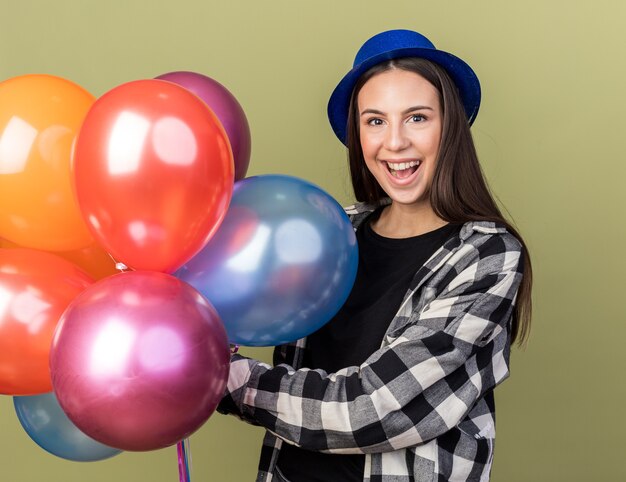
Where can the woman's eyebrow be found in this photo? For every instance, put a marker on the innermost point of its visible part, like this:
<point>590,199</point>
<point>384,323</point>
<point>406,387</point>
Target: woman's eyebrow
<point>417,107</point>
<point>406,111</point>
<point>372,111</point>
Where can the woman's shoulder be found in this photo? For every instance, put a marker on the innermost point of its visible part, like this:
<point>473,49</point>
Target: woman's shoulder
<point>493,235</point>
<point>485,248</point>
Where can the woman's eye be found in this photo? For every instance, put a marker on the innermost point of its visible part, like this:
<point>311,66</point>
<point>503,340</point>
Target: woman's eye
<point>418,118</point>
<point>375,122</point>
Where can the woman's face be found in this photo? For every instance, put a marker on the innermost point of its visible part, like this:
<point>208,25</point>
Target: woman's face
<point>400,131</point>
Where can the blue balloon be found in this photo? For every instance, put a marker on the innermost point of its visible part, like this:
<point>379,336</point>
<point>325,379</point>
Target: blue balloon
<point>46,423</point>
<point>281,264</point>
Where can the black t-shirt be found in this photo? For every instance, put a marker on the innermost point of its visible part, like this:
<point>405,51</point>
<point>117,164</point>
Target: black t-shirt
<point>386,269</point>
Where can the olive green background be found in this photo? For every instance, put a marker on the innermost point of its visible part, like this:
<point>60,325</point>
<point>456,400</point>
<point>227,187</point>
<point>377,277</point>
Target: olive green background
<point>550,133</point>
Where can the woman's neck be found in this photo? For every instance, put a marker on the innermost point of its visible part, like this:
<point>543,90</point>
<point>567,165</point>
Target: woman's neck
<point>406,220</point>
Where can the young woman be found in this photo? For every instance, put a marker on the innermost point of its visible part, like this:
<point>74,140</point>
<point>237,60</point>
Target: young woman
<point>398,386</point>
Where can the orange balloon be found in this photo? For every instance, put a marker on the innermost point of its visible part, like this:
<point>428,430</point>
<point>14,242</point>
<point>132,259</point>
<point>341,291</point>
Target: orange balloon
<point>93,259</point>
<point>5,243</point>
<point>39,119</point>
<point>35,289</point>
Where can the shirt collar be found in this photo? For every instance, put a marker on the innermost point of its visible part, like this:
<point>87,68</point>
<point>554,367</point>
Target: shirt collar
<point>360,211</point>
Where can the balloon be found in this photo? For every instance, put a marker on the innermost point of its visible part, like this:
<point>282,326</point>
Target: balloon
<point>5,243</point>
<point>226,108</point>
<point>94,260</point>
<point>44,421</point>
<point>35,289</point>
<point>139,361</point>
<point>281,265</point>
<point>39,118</point>
<point>154,174</point>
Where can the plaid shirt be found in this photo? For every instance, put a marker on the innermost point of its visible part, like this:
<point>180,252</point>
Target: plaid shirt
<point>421,407</point>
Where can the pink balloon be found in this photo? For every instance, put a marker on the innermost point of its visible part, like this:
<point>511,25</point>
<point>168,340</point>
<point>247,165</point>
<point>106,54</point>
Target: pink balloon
<point>226,108</point>
<point>139,361</point>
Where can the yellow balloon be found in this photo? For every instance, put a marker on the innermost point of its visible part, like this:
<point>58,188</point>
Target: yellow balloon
<point>40,116</point>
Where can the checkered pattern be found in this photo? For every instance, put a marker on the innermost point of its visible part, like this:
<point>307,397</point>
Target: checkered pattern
<point>421,407</point>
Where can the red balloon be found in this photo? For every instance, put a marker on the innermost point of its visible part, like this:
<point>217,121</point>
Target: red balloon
<point>154,174</point>
<point>139,360</point>
<point>35,289</point>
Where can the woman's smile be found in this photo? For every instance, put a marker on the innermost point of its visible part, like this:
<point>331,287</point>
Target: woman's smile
<point>402,171</point>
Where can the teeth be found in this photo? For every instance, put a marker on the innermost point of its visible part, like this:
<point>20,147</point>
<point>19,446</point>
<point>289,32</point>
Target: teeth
<point>401,166</point>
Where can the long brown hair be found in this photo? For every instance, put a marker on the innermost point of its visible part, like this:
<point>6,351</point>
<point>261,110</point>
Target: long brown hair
<point>459,192</point>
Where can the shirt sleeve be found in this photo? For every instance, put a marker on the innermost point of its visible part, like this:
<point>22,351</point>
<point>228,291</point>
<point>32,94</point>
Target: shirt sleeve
<point>450,353</point>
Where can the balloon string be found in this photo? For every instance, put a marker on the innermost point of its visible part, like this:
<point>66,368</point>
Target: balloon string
<point>118,266</point>
<point>182,470</point>
<point>184,460</point>
<point>187,446</point>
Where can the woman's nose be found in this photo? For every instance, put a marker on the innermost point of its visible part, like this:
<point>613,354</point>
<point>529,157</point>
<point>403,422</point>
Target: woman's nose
<point>395,138</point>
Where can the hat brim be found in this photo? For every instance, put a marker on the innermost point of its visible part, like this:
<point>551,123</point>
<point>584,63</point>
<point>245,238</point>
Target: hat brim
<point>461,74</point>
